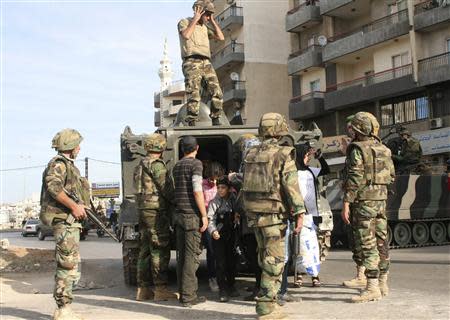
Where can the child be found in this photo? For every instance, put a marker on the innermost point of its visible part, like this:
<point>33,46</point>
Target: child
<point>222,219</point>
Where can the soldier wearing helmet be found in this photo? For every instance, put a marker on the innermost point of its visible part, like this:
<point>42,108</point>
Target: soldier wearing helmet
<point>271,194</point>
<point>60,175</point>
<point>410,154</point>
<point>194,35</point>
<point>369,171</point>
<point>152,205</point>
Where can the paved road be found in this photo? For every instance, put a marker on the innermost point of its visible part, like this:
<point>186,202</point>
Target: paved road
<point>420,289</point>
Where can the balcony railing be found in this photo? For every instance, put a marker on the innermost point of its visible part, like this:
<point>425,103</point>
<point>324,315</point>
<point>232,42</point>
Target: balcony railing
<point>374,25</point>
<point>232,11</point>
<point>304,50</point>
<point>430,63</point>
<point>231,48</point>
<point>425,6</point>
<point>307,96</point>
<point>302,5</point>
<point>234,85</point>
<point>374,78</point>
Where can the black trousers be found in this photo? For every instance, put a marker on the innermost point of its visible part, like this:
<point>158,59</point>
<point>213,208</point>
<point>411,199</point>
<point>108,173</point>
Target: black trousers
<point>225,261</point>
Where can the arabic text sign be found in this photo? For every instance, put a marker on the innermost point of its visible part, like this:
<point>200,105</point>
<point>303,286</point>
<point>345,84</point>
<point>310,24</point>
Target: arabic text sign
<point>434,141</point>
<point>334,144</point>
<point>106,190</point>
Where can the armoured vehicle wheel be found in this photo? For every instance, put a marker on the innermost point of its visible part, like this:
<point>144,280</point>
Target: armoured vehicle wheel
<point>438,233</point>
<point>420,232</point>
<point>389,235</point>
<point>130,256</point>
<point>402,234</point>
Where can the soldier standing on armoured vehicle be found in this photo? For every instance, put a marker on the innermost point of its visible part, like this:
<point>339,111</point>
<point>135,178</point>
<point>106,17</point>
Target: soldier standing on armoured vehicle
<point>369,172</point>
<point>64,216</point>
<point>196,55</point>
<point>410,153</point>
<point>271,193</point>
<point>154,251</point>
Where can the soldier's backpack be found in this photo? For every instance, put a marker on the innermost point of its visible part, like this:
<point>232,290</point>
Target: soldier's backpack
<point>378,164</point>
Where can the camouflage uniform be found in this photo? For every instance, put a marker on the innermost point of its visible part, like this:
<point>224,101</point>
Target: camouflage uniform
<point>61,174</point>
<point>154,253</point>
<point>369,172</point>
<point>269,172</point>
<point>197,68</point>
<point>410,154</point>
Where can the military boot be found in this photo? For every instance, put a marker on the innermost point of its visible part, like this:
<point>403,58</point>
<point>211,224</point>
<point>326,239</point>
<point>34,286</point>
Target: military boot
<point>383,284</point>
<point>144,293</point>
<point>66,313</point>
<point>360,281</point>
<point>371,293</point>
<point>163,294</point>
<point>276,314</point>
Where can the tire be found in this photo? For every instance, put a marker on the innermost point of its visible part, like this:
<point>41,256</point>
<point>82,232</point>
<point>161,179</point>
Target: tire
<point>41,235</point>
<point>438,232</point>
<point>130,257</point>
<point>402,234</point>
<point>420,233</point>
<point>389,235</point>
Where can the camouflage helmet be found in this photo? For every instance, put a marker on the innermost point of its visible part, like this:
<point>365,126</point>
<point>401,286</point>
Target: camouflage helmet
<point>374,122</point>
<point>207,5</point>
<point>272,125</point>
<point>66,140</point>
<point>362,123</point>
<point>155,143</point>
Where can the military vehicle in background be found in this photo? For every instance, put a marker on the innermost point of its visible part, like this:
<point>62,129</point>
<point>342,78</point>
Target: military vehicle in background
<point>217,143</point>
<point>417,208</point>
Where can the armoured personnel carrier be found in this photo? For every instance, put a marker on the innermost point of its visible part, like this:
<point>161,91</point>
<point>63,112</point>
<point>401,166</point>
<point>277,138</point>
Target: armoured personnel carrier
<point>217,143</point>
<point>418,207</point>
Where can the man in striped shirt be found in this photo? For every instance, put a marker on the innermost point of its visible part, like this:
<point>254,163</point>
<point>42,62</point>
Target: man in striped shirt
<point>191,220</point>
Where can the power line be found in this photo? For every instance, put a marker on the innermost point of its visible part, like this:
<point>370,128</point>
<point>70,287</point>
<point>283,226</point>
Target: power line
<point>43,166</point>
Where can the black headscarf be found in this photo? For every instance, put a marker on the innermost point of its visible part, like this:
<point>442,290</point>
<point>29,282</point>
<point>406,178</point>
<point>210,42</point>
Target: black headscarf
<point>302,151</point>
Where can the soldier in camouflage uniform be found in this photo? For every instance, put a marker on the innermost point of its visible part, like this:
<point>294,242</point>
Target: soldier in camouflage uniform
<point>154,253</point>
<point>64,216</point>
<point>410,154</point>
<point>197,68</point>
<point>270,193</point>
<point>370,170</point>
<point>360,280</point>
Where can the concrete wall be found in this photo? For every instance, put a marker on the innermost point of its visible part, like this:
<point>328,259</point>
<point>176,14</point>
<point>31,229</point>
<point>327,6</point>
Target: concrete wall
<point>310,76</point>
<point>383,56</point>
<point>433,43</point>
<point>268,90</point>
<point>347,72</point>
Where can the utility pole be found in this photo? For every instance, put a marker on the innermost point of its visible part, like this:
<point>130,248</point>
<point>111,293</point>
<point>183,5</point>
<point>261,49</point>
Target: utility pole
<point>86,168</point>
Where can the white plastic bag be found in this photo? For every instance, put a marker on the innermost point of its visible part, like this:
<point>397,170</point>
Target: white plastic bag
<point>308,261</point>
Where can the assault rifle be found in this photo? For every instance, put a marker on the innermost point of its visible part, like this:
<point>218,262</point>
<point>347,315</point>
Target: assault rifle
<point>91,214</point>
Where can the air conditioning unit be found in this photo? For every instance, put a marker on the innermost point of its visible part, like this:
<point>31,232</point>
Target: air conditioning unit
<point>436,123</point>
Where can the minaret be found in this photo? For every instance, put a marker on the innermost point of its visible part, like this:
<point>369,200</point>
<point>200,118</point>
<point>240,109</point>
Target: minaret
<point>165,71</point>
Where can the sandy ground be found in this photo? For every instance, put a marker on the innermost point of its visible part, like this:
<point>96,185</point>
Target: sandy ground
<point>420,289</point>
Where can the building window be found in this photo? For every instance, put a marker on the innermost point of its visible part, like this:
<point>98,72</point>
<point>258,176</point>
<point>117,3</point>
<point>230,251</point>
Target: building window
<point>405,111</point>
<point>177,102</point>
<point>314,85</point>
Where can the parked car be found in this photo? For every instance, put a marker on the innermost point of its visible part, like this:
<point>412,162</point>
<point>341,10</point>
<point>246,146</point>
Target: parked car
<point>29,228</point>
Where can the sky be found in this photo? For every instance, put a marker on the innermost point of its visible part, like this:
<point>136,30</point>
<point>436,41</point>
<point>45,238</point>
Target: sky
<point>88,65</point>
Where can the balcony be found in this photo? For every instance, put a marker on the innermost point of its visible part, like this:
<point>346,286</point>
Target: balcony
<point>233,91</point>
<point>303,59</point>
<point>434,69</point>
<point>429,15</point>
<point>228,57</point>
<point>157,100</point>
<point>378,31</point>
<point>157,118</point>
<point>329,7</point>
<point>302,17</point>
<point>370,88</point>
<point>176,88</point>
<point>173,109</point>
<point>231,19</point>
<point>306,106</point>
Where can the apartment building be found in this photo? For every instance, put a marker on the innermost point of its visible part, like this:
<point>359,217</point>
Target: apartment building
<point>391,58</point>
